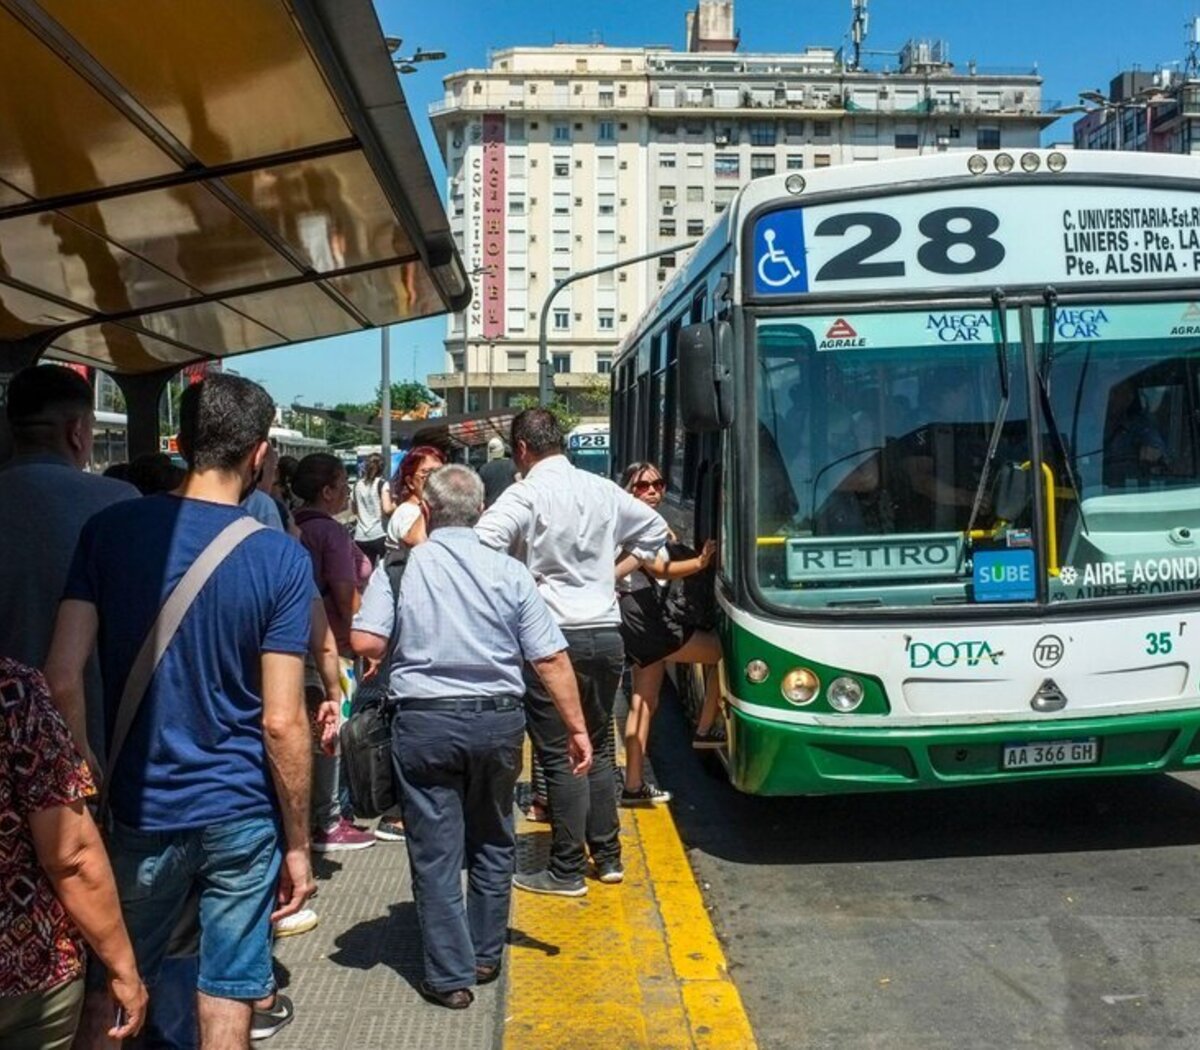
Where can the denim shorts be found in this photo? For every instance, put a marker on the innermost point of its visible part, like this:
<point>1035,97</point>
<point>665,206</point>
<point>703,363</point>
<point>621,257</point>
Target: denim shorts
<point>233,868</point>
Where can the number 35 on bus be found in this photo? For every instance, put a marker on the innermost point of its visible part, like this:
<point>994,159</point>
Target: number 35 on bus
<point>942,416</point>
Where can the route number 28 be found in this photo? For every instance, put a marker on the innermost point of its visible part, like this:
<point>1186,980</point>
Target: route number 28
<point>957,240</point>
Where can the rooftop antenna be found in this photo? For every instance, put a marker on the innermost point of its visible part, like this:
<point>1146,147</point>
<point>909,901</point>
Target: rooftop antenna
<point>1192,65</point>
<point>858,30</point>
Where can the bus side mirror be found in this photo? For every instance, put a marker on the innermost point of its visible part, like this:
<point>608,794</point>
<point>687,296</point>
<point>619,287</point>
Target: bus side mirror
<point>705,353</point>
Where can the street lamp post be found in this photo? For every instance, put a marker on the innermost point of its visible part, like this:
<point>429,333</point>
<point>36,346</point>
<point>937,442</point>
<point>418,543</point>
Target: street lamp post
<point>385,400</point>
<point>545,376</point>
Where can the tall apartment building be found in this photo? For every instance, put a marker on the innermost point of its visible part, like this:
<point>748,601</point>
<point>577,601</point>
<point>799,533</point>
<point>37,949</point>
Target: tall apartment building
<point>571,157</point>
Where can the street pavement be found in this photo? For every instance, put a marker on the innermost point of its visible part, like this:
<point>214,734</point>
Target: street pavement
<point>1047,914</point>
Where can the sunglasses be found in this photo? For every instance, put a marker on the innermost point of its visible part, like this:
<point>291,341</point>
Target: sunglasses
<point>645,486</point>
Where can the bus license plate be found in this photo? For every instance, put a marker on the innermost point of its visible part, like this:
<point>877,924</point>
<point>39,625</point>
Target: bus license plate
<point>1052,753</point>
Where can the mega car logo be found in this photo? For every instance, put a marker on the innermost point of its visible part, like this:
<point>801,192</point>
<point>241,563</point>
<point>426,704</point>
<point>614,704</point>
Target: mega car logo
<point>841,336</point>
<point>1079,324</point>
<point>959,328</point>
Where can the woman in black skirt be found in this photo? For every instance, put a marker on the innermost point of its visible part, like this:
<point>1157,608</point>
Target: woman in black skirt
<point>652,636</point>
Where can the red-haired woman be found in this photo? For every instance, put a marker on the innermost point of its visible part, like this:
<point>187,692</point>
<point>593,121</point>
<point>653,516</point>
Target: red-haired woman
<point>407,525</point>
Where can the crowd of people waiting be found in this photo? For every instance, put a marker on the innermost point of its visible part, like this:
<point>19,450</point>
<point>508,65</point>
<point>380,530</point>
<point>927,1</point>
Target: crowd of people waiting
<point>167,773</point>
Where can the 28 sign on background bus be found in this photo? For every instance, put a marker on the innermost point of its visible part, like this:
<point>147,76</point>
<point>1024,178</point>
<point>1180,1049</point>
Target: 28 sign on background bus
<point>984,236</point>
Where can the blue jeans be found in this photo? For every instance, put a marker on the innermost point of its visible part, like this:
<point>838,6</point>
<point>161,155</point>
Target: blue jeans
<point>458,773</point>
<point>234,867</point>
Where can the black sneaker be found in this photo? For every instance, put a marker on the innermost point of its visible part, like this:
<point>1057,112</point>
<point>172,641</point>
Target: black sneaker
<point>711,739</point>
<point>610,871</point>
<point>647,795</point>
<point>265,1023</point>
<point>545,882</point>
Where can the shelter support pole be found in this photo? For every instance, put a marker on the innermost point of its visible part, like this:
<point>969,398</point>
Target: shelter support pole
<point>142,394</point>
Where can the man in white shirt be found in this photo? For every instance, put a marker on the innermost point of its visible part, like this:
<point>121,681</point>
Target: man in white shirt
<point>567,526</point>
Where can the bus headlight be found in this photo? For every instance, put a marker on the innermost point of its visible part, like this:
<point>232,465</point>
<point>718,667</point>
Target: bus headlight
<point>1056,162</point>
<point>844,694</point>
<point>757,671</point>
<point>800,686</point>
<point>1004,163</point>
<point>1030,162</point>
<point>977,165</point>
<point>795,184</point>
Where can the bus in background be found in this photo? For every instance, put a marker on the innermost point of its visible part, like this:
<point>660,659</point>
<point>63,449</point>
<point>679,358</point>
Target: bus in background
<point>289,442</point>
<point>109,445</point>
<point>942,416</point>
<point>588,448</point>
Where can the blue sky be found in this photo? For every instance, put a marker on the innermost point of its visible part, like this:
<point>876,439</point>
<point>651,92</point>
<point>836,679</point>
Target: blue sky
<point>1075,45</point>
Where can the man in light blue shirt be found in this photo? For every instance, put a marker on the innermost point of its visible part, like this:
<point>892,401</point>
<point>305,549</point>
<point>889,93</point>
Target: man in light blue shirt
<point>460,632</point>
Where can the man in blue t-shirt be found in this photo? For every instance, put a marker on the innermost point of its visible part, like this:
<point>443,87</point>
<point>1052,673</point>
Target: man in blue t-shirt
<point>217,761</point>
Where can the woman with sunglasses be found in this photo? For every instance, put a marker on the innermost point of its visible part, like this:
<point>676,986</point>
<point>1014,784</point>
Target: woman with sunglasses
<point>652,637</point>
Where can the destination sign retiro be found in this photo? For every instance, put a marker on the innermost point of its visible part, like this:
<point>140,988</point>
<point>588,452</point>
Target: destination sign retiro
<point>830,558</point>
<point>984,235</point>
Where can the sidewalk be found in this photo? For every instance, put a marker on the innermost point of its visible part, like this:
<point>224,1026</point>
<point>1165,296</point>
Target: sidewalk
<point>635,965</point>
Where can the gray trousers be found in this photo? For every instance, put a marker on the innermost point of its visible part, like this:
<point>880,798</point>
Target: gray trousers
<point>458,772</point>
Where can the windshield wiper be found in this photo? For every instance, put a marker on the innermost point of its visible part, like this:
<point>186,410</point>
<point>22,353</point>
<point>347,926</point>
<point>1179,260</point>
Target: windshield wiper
<point>999,305</point>
<point>1043,380</point>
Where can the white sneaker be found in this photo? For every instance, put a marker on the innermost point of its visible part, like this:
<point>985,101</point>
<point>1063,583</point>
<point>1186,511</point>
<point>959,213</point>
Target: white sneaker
<point>290,925</point>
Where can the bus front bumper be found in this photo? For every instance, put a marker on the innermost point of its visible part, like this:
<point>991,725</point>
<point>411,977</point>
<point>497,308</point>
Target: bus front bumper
<point>775,758</point>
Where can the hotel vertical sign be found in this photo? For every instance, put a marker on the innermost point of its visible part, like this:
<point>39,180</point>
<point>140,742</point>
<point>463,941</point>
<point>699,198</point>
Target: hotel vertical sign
<point>493,225</point>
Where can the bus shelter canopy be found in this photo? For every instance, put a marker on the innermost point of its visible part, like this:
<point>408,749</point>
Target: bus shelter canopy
<point>188,181</point>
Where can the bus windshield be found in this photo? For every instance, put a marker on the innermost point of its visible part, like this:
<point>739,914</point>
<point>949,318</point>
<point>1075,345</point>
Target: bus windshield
<point>894,459</point>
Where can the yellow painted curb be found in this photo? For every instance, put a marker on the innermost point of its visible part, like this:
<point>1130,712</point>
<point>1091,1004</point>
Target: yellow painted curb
<point>634,966</point>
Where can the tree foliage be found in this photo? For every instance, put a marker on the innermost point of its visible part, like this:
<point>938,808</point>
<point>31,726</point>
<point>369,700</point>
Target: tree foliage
<point>567,418</point>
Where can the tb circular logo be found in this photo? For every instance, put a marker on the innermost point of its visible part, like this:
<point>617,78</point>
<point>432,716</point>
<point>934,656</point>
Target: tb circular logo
<point>1048,651</point>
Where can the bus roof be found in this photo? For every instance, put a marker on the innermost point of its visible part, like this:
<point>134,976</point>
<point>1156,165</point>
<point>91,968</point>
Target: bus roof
<point>184,182</point>
<point>889,178</point>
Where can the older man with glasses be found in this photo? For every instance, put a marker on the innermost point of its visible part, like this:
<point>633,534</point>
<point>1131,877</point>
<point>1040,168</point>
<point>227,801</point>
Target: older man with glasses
<point>466,621</point>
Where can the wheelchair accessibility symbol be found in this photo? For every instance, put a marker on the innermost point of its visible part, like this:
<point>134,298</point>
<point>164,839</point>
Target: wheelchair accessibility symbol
<point>780,257</point>
<point>775,269</point>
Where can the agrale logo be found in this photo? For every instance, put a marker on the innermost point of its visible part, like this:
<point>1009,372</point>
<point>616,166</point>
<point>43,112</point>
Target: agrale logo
<point>841,336</point>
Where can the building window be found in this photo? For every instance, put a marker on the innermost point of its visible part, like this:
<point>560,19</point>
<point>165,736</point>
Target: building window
<point>516,204</point>
<point>666,227</point>
<point>822,129</point>
<point>456,362</point>
<point>606,131</point>
<point>605,320</point>
<point>694,128</point>
<point>667,262</point>
<point>606,167</point>
<point>987,138</point>
<point>562,204</point>
<point>666,193</point>
<point>516,242</point>
<point>606,281</point>
<point>954,131</point>
<point>761,164</point>
<point>906,140</point>
<point>516,129</point>
<point>695,160</point>
<point>762,133</point>
<point>562,133</point>
<point>560,363</point>
<point>606,241</point>
<point>695,194</point>
<point>561,240</point>
<point>822,160</point>
<point>795,161</point>
<point>562,320</point>
<point>695,227</point>
<point>516,318</point>
<point>604,363</point>
<point>727,166</point>
<point>562,168</point>
<point>606,204</point>
<point>666,160</point>
<point>606,94</point>
<point>794,129</point>
<point>516,166</point>
<point>516,361</point>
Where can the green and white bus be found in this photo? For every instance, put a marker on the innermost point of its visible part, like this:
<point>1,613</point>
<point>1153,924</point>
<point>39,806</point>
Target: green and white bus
<point>942,416</point>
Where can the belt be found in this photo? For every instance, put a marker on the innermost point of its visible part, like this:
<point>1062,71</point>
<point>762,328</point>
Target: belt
<point>464,704</point>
